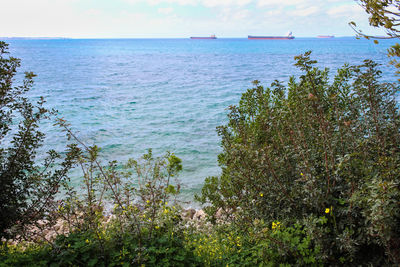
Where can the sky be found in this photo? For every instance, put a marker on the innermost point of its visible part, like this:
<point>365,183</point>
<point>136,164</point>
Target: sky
<point>179,18</point>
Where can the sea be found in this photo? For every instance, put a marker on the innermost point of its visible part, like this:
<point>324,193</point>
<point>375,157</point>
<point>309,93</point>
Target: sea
<point>129,95</point>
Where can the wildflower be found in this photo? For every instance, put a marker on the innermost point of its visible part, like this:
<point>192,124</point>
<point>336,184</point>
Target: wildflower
<point>327,210</point>
<point>147,201</point>
<point>87,241</point>
<point>276,225</point>
<point>302,174</point>
<point>261,194</point>
<point>157,227</point>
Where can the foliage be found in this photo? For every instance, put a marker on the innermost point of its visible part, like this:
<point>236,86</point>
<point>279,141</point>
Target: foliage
<point>259,245</point>
<point>213,245</point>
<point>81,249</point>
<point>28,189</point>
<point>383,14</point>
<point>140,199</point>
<point>84,249</point>
<point>141,227</point>
<point>32,255</point>
<point>324,156</point>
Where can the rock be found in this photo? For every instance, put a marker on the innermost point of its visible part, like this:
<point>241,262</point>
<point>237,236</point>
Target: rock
<point>188,214</point>
<point>199,215</point>
<point>219,213</point>
<point>50,236</point>
<point>42,222</point>
<point>61,229</point>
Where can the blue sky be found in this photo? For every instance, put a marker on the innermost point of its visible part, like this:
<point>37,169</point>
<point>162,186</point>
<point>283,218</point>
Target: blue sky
<point>179,18</point>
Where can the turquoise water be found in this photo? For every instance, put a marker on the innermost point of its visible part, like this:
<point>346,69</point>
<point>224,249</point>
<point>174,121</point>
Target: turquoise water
<point>127,95</point>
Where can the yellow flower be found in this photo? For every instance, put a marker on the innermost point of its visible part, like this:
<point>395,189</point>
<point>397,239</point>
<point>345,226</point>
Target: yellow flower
<point>147,201</point>
<point>327,210</point>
<point>302,174</point>
<point>276,225</point>
<point>157,227</point>
<point>87,241</point>
<point>261,194</point>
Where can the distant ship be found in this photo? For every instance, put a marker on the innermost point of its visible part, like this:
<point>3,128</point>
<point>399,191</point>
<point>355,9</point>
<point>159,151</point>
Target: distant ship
<point>325,36</point>
<point>288,36</point>
<point>209,37</point>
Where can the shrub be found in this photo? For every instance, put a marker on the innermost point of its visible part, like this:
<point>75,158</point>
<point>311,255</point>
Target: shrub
<point>28,188</point>
<point>260,245</point>
<point>19,255</point>
<point>129,213</point>
<point>319,154</point>
<point>139,223</point>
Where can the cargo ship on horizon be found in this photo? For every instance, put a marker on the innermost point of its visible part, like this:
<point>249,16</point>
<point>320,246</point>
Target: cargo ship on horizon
<point>289,36</point>
<point>325,36</point>
<point>208,37</point>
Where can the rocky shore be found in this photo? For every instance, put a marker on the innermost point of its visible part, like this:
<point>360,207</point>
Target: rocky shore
<point>46,231</point>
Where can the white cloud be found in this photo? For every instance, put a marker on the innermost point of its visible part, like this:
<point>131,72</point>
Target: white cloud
<point>230,15</point>
<point>89,18</point>
<point>165,10</point>
<point>157,2</point>
<point>280,3</point>
<point>215,3</point>
<point>304,12</point>
<point>345,11</point>
<point>206,3</point>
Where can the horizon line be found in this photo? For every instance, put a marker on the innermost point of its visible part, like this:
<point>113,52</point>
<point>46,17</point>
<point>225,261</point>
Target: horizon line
<point>62,37</point>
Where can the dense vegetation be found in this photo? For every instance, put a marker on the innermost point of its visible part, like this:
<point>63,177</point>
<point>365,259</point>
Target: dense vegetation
<point>323,156</point>
<point>310,176</point>
<point>28,189</point>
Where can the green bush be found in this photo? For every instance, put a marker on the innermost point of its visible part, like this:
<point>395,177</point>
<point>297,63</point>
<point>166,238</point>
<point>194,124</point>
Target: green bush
<point>82,248</point>
<point>127,250</point>
<point>143,225</point>
<point>319,154</point>
<point>28,189</point>
<point>32,255</point>
<point>260,245</point>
